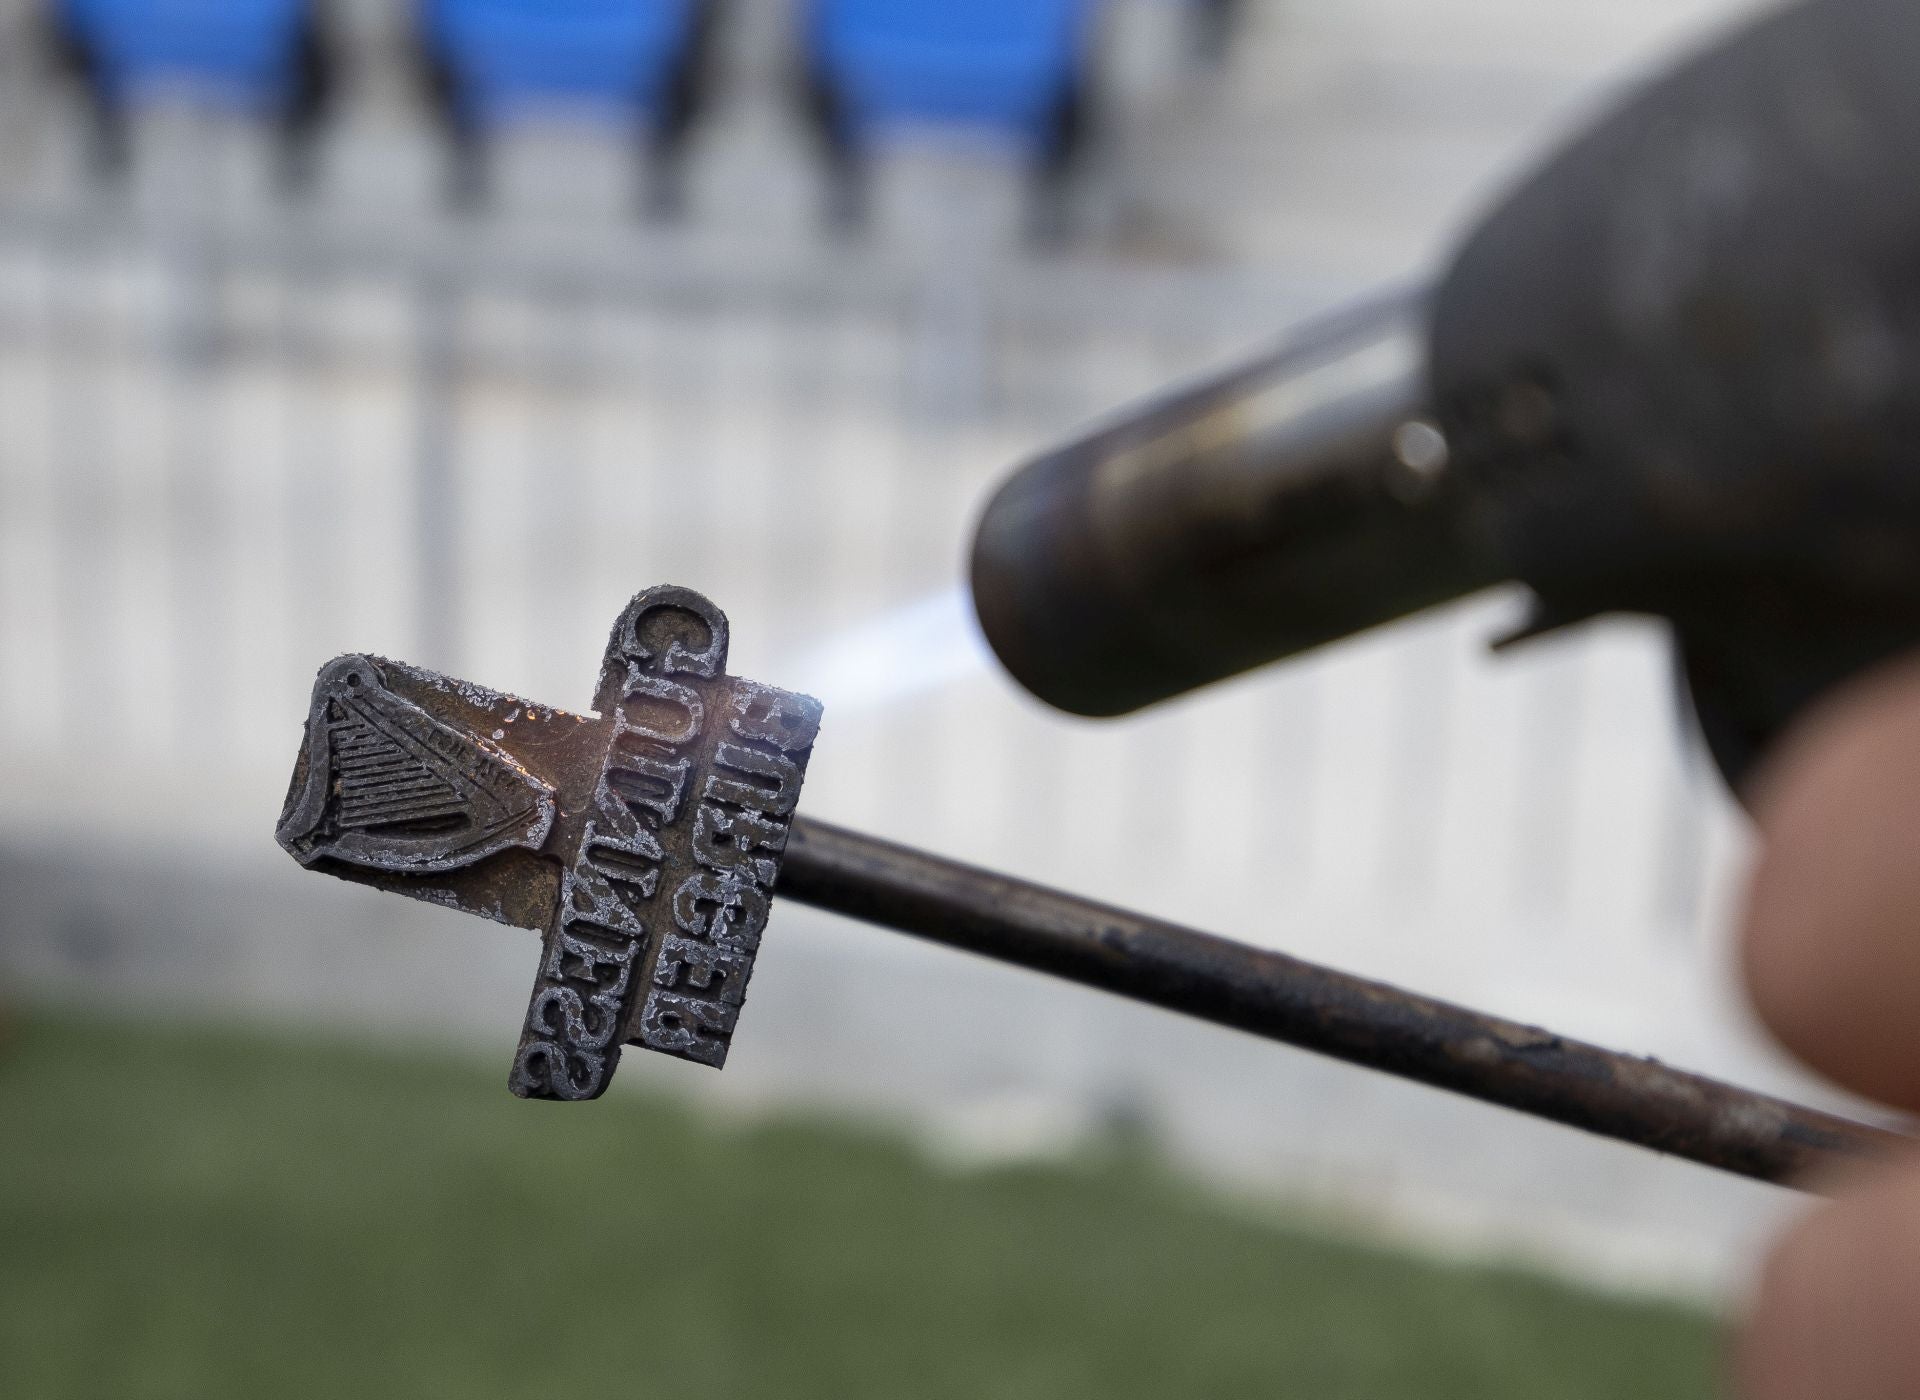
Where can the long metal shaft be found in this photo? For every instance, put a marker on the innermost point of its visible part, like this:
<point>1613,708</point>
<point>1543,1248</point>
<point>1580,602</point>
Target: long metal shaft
<point>1317,1008</point>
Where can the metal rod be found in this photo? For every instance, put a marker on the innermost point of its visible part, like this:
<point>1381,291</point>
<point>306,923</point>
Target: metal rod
<point>1367,1023</point>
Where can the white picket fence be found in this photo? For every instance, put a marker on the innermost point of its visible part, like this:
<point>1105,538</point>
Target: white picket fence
<point>224,466</point>
<point>232,447</point>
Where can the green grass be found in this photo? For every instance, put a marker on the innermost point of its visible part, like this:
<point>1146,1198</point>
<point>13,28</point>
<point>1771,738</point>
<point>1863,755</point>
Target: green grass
<point>190,1213</point>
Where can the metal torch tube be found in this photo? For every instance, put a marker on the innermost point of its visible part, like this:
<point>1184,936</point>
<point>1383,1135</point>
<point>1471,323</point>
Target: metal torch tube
<point>1367,1023</point>
<point>1288,503</point>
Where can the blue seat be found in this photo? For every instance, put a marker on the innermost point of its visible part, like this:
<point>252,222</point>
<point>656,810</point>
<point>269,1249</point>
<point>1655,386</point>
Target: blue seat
<point>503,59</point>
<point>243,54</point>
<point>1006,67</point>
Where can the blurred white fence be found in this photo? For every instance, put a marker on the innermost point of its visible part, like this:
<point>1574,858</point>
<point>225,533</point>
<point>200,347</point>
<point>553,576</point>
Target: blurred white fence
<point>227,459</point>
<point>231,448</point>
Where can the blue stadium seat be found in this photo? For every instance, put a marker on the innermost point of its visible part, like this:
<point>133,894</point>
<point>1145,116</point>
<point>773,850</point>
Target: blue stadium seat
<point>264,58</point>
<point>242,54</point>
<point>503,59</point>
<point>1006,67</point>
<point>637,64</point>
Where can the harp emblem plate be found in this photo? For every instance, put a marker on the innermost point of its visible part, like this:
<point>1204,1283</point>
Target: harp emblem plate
<point>389,787</point>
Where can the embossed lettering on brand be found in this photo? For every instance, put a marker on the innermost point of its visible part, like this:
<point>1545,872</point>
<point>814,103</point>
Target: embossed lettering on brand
<point>663,820</point>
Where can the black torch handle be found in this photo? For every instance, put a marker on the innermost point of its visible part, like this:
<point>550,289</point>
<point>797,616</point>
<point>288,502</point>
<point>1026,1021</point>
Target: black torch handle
<point>1299,1003</point>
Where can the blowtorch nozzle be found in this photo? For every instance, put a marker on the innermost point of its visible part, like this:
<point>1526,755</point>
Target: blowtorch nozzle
<point>1250,516</point>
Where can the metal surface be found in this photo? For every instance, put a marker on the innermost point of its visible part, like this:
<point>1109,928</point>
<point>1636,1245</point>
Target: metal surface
<point>1367,1023</point>
<point>1254,515</point>
<point>643,842</point>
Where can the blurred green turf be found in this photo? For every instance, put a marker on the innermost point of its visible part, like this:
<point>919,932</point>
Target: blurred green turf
<point>196,1213</point>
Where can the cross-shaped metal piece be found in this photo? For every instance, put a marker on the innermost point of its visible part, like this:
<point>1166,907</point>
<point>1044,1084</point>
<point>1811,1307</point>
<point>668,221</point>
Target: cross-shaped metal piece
<point>642,841</point>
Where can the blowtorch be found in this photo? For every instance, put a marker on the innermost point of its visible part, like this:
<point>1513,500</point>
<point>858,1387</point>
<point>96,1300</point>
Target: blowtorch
<point>1676,371</point>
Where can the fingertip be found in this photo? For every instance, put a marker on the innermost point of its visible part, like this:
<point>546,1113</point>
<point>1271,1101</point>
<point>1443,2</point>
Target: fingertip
<point>1830,942</point>
<point>1830,1318</point>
